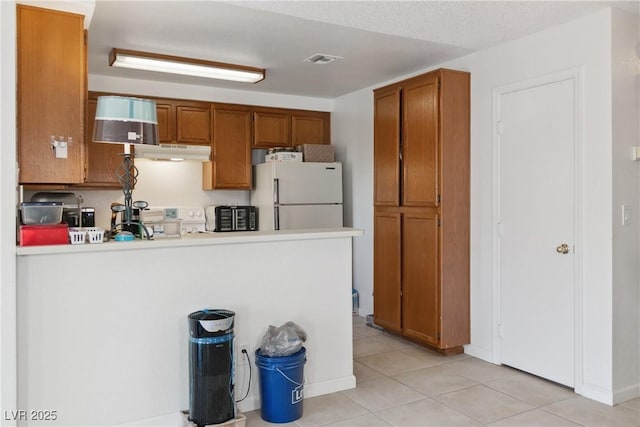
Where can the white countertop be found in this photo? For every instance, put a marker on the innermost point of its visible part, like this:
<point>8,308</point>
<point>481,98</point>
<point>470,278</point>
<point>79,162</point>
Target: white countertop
<point>200,239</point>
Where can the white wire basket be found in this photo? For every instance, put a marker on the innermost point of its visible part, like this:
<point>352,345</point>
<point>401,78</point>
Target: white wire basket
<point>79,235</point>
<point>95,234</point>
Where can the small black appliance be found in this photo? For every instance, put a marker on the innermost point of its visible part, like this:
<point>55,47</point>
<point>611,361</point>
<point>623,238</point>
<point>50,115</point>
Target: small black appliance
<point>211,383</point>
<point>235,218</point>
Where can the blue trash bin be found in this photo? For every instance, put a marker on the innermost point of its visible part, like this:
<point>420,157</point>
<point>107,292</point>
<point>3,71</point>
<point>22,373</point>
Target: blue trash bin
<point>281,386</point>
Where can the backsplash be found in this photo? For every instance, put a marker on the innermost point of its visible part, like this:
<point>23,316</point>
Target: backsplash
<point>161,183</point>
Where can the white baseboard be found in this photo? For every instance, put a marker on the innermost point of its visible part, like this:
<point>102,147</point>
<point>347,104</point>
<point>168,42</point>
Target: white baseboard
<point>174,419</point>
<point>599,394</point>
<point>310,390</point>
<point>252,402</point>
<point>479,352</point>
<point>332,386</point>
<point>627,393</point>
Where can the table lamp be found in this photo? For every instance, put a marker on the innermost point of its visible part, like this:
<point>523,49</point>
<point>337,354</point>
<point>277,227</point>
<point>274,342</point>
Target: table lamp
<point>126,120</point>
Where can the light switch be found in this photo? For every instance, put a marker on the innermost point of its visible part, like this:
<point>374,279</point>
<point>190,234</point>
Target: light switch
<point>626,214</point>
<point>61,150</point>
<point>59,146</point>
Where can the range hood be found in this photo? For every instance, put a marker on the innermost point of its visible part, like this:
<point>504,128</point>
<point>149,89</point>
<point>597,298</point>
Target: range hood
<point>175,152</point>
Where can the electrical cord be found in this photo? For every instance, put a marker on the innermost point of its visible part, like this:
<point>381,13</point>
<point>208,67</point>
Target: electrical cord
<point>244,352</point>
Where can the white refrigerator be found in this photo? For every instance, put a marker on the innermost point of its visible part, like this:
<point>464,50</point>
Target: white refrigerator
<point>298,195</point>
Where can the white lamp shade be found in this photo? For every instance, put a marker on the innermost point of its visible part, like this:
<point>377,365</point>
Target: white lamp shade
<point>125,120</point>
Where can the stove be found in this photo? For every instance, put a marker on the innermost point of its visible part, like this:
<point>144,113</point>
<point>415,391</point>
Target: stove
<point>193,219</point>
<point>173,221</point>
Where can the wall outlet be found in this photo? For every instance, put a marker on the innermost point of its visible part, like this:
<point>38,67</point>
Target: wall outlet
<point>242,359</point>
<point>626,215</point>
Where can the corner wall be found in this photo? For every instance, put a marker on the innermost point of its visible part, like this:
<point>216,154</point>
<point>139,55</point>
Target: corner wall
<point>626,191</point>
<point>8,392</point>
<point>352,135</point>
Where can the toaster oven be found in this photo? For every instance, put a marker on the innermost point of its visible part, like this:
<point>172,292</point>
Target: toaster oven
<point>232,218</point>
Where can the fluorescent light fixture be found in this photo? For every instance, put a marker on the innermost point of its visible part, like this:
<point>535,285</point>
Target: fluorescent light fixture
<point>184,66</point>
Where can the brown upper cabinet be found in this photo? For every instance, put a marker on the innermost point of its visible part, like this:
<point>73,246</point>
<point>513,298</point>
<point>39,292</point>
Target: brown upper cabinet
<point>183,122</point>
<point>310,127</point>
<point>51,47</point>
<point>386,147</point>
<point>279,127</point>
<point>230,165</point>
<point>101,160</point>
<point>406,146</point>
<point>271,128</point>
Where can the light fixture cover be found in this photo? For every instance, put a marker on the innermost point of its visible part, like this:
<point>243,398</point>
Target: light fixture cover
<point>174,152</point>
<point>184,66</point>
<point>125,120</point>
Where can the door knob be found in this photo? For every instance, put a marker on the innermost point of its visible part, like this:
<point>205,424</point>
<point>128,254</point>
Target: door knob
<point>563,249</point>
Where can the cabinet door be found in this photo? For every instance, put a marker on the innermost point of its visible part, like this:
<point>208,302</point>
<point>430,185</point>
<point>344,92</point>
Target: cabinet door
<point>51,94</point>
<point>420,285</point>
<point>420,142</point>
<point>166,122</point>
<point>310,127</point>
<point>102,160</point>
<point>230,167</point>
<point>193,124</point>
<point>271,129</point>
<point>387,270</point>
<point>386,147</point>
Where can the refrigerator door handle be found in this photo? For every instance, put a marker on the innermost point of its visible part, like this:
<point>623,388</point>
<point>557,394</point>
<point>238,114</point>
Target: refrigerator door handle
<point>276,218</point>
<point>276,190</point>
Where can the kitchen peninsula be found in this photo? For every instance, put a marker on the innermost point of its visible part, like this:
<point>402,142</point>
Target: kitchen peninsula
<point>106,324</point>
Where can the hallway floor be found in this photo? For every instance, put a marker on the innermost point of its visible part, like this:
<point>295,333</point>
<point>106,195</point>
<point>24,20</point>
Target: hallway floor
<point>401,384</point>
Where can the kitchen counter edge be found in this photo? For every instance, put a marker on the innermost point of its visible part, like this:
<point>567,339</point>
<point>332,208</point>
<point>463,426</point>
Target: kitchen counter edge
<point>201,239</point>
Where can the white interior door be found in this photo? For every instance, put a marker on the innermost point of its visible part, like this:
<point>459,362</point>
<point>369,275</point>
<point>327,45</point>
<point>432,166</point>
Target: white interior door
<point>537,214</point>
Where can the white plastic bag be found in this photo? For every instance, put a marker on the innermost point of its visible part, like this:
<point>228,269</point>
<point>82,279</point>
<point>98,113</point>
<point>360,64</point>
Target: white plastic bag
<point>283,340</point>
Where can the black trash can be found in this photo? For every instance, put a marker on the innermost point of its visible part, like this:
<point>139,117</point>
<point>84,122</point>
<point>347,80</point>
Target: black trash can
<point>211,387</point>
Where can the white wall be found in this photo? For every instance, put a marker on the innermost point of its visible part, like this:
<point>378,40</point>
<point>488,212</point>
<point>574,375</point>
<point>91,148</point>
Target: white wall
<point>626,191</point>
<point>352,134</point>
<point>103,336</point>
<point>7,212</point>
<point>584,43</point>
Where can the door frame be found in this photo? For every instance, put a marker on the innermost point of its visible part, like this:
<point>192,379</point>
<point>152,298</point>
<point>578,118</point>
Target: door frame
<point>576,75</point>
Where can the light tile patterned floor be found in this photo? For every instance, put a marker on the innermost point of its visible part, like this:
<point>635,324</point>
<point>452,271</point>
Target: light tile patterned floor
<point>403,385</point>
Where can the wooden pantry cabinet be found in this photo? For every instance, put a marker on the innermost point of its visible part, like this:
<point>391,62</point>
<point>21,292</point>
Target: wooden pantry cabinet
<point>421,208</point>
<point>51,92</point>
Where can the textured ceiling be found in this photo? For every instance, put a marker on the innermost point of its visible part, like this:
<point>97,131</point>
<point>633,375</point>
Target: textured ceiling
<point>468,24</point>
<point>379,40</point>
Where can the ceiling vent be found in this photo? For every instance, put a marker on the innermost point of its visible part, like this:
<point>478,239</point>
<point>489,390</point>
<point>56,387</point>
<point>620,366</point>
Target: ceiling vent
<point>321,58</point>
